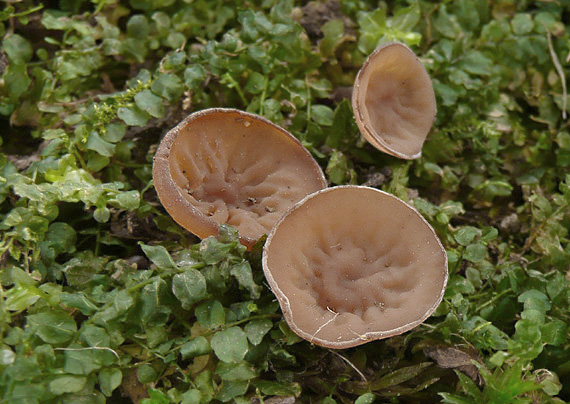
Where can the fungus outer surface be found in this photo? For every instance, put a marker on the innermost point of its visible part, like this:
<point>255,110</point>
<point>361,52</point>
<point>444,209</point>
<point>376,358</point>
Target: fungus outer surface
<point>227,166</point>
<point>352,264</point>
<point>393,101</point>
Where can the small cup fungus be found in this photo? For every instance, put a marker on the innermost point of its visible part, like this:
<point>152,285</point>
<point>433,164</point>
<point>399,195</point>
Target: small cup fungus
<point>228,166</point>
<point>393,101</point>
<point>352,264</point>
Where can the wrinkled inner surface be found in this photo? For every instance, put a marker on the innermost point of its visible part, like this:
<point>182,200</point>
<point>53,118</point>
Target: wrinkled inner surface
<point>354,261</point>
<point>343,276</point>
<point>398,99</point>
<point>241,171</point>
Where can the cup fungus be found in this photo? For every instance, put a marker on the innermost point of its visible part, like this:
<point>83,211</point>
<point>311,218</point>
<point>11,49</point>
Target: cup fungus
<point>393,101</point>
<point>352,264</point>
<point>228,166</point>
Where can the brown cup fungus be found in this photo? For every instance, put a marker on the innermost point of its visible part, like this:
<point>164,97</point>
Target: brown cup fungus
<point>393,101</point>
<point>352,264</point>
<point>227,166</point>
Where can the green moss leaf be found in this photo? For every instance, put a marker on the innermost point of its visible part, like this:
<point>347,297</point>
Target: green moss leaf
<point>257,329</point>
<point>211,314</point>
<point>53,327</point>
<point>20,297</point>
<point>16,81</point>
<point>129,200</point>
<point>189,287</point>
<point>109,380</point>
<point>96,143</point>
<point>213,251</point>
<point>236,371</point>
<point>146,374</point>
<point>81,361</point>
<point>522,24</point>
<point>102,215</point>
<point>535,300</point>
<point>147,101</point>
<point>168,86</point>
<point>159,256</point>
<point>191,396</point>
<point>230,345</point>
<point>138,27</point>
<point>194,75</point>
<point>244,275</point>
<point>195,347</point>
<point>322,115</point>
<point>231,389</point>
<point>554,333</point>
<point>18,49</point>
<point>333,32</point>
<point>475,252</point>
<point>255,83</point>
<point>367,398</point>
<point>133,116</point>
<point>278,389</point>
<point>80,301</point>
<point>67,384</point>
<point>114,132</point>
<point>466,235</point>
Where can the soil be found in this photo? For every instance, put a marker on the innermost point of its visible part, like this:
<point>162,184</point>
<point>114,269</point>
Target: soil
<point>316,14</point>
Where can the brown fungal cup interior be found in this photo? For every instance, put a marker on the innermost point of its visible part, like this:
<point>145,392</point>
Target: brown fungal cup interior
<point>352,264</point>
<point>227,166</point>
<point>394,102</point>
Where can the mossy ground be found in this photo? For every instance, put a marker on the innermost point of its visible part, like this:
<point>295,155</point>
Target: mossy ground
<point>105,299</point>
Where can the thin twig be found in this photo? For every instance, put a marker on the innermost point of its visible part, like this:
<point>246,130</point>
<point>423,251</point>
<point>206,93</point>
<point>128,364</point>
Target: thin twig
<point>351,365</point>
<point>494,299</point>
<point>100,348</point>
<point>560,72</point>
<point>325,324</point>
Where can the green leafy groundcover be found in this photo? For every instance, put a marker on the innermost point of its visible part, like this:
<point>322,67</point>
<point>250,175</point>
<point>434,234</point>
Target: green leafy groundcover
<point>105,299</point>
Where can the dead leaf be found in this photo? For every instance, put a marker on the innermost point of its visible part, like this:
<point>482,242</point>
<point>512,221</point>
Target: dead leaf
<point>133,389</point>
<point>275,400</point>
<point>453,358</point>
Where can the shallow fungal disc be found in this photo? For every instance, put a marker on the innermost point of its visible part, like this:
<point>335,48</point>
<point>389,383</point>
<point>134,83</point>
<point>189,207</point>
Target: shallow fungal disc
<point>227,166</point>
<point>393,101</point>
<point>352,264</point>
